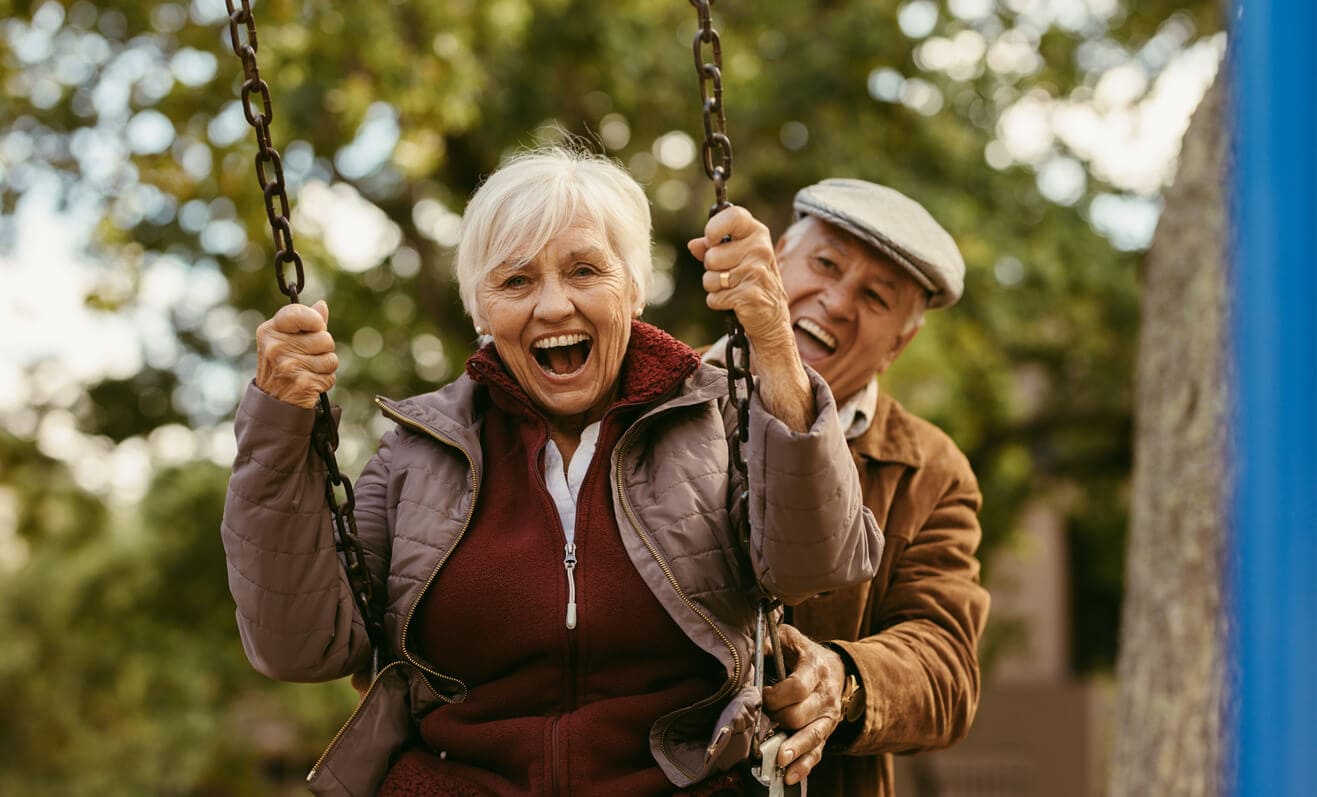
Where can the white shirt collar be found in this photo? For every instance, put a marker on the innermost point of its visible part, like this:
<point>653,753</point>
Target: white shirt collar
<point>857,412</point>
<point>564,484</point>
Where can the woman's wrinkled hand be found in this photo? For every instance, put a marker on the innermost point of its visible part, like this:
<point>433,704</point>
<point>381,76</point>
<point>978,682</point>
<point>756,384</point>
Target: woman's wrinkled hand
<point>741,275</point>
<point>295,360</point>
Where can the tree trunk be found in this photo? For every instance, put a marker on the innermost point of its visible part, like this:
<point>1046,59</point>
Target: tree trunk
<point>1169,720</point>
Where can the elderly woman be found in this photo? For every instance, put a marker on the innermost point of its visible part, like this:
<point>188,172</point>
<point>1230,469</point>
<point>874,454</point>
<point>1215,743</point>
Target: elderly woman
<point>567,606</point>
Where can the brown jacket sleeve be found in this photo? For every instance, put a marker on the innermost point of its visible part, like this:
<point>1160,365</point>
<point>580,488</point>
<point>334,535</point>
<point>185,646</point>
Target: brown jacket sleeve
<point>920,668</point>
<point>295,611</point>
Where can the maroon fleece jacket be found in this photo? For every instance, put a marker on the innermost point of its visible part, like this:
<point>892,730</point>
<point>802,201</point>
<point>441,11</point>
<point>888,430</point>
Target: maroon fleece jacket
<point>551,710</point>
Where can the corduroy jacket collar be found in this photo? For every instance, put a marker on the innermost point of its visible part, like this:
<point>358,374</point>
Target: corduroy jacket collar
<point>891,437</point>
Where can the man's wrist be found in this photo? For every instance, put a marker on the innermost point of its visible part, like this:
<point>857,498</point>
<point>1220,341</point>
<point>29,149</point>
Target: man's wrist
<point>852,700</point>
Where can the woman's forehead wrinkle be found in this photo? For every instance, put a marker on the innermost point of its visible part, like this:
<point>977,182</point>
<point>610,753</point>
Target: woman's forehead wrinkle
<point>591,254</point>
<point>509,266</point>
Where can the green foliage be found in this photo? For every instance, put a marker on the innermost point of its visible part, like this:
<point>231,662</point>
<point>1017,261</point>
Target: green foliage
<point>119,653</point>
<point>121,669</point>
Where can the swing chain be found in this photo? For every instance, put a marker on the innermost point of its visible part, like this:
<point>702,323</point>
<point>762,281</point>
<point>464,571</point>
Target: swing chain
<point>717,150</point>
<point>718,166</point>
<point>324,433</point>
<point>269,167</point>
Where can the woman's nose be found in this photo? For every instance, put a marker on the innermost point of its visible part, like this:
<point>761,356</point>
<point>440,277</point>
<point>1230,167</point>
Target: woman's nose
<point>553,303</point>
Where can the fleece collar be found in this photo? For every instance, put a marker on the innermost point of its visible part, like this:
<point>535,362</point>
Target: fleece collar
<point>654,366</point>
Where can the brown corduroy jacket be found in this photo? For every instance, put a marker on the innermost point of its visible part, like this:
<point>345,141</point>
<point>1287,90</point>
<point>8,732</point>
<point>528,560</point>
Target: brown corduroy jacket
<point>913,630</point>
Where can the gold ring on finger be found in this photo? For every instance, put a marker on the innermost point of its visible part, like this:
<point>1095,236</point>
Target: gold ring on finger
<point>724,280</point>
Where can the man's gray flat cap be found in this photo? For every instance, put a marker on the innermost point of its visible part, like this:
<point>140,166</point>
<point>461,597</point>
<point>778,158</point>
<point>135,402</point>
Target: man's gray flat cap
<point>895,225</point>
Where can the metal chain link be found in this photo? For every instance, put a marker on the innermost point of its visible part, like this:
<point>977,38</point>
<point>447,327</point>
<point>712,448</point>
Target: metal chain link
<point>324,434</point>
<point>717,152</point>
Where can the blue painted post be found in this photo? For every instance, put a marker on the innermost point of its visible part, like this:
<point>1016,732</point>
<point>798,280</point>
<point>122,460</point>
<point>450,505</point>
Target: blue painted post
<point>1274,87</point>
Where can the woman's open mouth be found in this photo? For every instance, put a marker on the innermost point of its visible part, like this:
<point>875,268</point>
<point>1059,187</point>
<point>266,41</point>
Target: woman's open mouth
<point>562,355</point>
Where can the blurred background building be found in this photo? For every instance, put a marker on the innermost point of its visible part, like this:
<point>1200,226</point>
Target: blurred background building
<point>1042,728</point>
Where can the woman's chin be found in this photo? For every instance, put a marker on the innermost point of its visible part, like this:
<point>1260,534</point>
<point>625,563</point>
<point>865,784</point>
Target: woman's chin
<point>567,395</point>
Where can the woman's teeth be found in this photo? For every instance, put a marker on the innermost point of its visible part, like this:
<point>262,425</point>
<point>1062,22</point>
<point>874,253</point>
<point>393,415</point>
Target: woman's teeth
<point>559,340</point>
<point>562,354</point>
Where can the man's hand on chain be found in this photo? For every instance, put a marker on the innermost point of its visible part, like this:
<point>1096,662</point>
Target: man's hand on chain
<point>808,703</point>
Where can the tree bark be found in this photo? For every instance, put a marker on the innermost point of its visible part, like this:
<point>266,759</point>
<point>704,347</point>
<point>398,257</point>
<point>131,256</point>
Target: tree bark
<point>1169,719</point>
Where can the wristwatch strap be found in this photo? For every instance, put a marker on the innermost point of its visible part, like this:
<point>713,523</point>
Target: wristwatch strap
<point>852,696</point>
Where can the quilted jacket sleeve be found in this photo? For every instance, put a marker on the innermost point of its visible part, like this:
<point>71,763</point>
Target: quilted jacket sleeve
<point>295,611</point>
<point>810,530</point>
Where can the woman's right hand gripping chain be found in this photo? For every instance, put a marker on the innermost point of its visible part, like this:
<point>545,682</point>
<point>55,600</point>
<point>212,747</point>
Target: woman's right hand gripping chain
<point>295,359</point>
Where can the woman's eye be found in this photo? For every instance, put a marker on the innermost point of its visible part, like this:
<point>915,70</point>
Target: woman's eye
<point>583,270</point>
<point>516,281</point>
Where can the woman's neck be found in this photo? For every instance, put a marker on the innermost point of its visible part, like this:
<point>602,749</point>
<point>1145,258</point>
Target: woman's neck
<point>565,431</point>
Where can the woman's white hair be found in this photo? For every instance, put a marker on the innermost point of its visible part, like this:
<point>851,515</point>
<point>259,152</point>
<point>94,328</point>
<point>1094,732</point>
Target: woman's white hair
<point>536,195</point>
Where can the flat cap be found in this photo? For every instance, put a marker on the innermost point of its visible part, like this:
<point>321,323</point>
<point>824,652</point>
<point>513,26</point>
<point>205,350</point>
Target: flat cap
<point>895,225</point>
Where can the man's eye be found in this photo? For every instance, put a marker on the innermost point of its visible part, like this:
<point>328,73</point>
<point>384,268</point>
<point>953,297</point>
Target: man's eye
<point>825,264</point>
<point>874,297</point>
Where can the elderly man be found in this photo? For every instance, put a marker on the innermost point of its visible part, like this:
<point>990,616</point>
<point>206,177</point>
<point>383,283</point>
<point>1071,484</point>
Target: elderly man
<point>890,665</point>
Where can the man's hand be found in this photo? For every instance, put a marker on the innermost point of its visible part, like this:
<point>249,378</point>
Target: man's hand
<point>808,703</point>
<point>295,360</point>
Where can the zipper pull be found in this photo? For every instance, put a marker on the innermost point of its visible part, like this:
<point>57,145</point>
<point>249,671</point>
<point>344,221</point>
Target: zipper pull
<point>569,564</point>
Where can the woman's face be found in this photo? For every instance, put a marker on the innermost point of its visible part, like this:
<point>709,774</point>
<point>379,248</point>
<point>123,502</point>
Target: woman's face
<point>562,323</point>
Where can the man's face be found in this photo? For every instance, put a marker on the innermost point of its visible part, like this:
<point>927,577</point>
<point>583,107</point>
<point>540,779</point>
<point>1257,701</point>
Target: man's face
<point>852,309</point>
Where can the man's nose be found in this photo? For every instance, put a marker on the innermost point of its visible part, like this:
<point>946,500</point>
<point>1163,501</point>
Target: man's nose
<point>838,301</point>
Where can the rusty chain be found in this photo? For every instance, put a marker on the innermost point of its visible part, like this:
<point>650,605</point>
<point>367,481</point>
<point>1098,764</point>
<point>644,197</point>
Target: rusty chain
<point>717,156</point>
<point>324,434</point>
<point>717,149</point>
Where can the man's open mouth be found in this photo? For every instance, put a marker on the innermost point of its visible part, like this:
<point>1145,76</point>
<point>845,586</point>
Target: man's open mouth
<point>818,333</point>
<point>562,355</point>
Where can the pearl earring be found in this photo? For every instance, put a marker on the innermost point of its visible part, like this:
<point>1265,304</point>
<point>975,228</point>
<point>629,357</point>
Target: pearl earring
<point>480,330</point>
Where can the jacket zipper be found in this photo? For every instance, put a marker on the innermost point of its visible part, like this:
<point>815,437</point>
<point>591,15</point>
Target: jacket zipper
<point>569,560</point>
<point>475,494</point>
<point>311,775</point>
<point>667,571</point>
<point>569,564</point>
<point>555,775</point>
<point>475,491</point>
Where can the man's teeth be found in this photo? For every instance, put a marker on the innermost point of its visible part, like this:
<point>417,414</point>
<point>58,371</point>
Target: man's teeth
<point>559,340</point>
<point>818,332</point>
